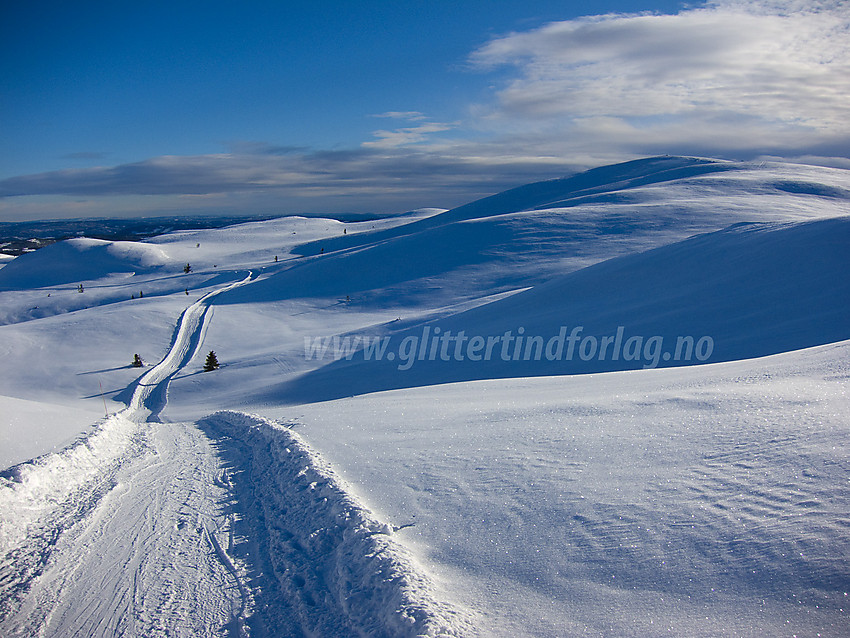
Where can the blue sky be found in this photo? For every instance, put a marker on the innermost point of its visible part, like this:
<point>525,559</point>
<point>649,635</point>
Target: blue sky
<point>119,108</point>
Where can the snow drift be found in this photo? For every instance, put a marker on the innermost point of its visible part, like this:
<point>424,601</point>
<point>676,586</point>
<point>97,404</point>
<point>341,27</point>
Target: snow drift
<point>334,563</point>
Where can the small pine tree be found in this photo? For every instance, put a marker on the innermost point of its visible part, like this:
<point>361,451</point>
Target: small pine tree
<point>211,363</point>
<point>187,268</point>
<point>137,361</point>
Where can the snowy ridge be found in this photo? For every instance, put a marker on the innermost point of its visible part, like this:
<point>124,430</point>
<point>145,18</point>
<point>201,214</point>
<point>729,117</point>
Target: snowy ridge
<point>546,194</point>
<point>331,559</point>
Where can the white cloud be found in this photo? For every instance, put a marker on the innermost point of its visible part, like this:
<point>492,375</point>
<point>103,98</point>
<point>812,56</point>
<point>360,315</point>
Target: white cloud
<point>413,116</point>
<point>407,135</point>
<point>747,69</point>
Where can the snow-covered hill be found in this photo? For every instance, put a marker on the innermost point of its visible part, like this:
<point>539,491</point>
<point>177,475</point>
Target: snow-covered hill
<point>530,234</point>
<point>750,290</point>
<point>78,260</point>
<point>443,477</point>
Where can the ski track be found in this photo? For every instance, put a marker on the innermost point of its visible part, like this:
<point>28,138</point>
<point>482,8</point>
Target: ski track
<point>57,509</point>
<point>144,562</point>
<point>145,531</point>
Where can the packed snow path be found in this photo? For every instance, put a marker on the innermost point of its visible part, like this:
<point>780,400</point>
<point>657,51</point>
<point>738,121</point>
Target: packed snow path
<point>148,559</point>
<point>151,392</point>
<point>47,503</point>
<point>145,531</point>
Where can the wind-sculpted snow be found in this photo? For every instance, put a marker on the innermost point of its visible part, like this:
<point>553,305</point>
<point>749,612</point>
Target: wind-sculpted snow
<point>327,556</point>
<point>698,502</point>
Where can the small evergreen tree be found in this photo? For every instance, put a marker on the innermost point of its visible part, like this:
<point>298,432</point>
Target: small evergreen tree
<point>137,361</point>
<point>211,363</point>
<point>187,268</point>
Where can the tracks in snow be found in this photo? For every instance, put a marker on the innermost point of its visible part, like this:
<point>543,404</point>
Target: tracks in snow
<point>322,561</point>
<point>146,531</point>
<point>148,560</point>
<point>42,500</point>
<point>151,392</point>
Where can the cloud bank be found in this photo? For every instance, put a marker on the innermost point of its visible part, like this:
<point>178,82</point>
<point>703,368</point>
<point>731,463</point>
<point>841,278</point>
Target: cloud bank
<point>735,76</point>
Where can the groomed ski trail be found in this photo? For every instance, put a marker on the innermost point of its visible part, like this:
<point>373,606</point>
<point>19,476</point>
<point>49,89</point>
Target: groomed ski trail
<point>151,393</point>
<point>150,559</point>
<point>44,500</point>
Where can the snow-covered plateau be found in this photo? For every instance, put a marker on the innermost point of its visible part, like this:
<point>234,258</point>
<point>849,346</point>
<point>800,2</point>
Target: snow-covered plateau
<point>614,404</point>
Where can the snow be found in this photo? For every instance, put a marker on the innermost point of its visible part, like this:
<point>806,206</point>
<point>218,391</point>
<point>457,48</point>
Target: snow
<point>42,422</point>
<point>701,501</point>
<point>334,562</point>
<point>286,494</point>
<point>82,260</point>
<point>695,288</point>
<point>147,547</point>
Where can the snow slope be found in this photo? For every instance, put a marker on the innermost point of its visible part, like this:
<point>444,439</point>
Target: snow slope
<point>108,514</point>
<point>753,289</point>
<point>699,501</point>
<point>82,260</point>
<point>528,235</point>
<point>703,501</point>
<point>42,421</point>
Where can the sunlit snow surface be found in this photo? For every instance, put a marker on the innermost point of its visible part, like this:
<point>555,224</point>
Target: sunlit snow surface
<point>699,501</point>
<point>705,501</point>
